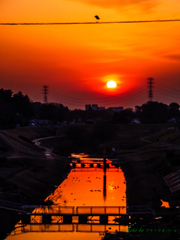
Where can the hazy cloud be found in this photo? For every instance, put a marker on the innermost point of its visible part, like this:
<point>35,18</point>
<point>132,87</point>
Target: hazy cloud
<point>145,4</point>
<point>174,57</point>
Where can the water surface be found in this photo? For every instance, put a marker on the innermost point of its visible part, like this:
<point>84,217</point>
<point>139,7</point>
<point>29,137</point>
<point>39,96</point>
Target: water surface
<point>83,187</point>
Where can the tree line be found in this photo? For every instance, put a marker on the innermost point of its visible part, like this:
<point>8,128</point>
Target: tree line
<point>19,109</point>
<point>149,113</point>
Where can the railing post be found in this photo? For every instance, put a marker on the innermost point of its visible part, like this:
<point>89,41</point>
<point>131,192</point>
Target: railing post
<point>127,209</point>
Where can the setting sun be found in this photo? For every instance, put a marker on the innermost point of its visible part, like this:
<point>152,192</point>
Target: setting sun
<point>111,84</point>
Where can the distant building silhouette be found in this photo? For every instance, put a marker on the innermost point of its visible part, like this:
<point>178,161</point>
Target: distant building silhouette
<point>115,109</point>
<point>101,108</point>
<point>96,108</point>
<point>93,107</point>
<point>87,107</point>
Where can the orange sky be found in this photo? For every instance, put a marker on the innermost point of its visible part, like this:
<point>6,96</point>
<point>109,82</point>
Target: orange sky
<point>76,61</point>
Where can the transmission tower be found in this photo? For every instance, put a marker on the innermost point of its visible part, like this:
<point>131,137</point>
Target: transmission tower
<point>150,87</point>
<point>45,92</point>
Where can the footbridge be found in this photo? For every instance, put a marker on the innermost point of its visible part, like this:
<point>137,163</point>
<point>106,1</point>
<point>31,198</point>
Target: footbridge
<point>38,214</point>
<point>94,163</point>
<point>54,218</point>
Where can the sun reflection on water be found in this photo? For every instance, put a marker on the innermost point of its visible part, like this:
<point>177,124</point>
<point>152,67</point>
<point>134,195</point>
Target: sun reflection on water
<point>82,189</point>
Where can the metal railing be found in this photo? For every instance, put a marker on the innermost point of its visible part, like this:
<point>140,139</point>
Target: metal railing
<point>139,209</point>
<point>173,181</point>
<point>92,210</point>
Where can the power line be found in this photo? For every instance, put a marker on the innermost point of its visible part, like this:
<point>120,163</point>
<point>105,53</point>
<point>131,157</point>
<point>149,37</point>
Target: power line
<point>37,98</point>
<point>109,99</point>
<point>79,23</point>
<point>45,92</point>
<point>169,88</point>
<point>116,97</point>
<point>120,99</point>
<point>36,94</point>
<point>168,94</point>
<point>165,91</point>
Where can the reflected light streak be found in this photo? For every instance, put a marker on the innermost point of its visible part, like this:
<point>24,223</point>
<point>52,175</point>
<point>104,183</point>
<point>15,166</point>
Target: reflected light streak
<point>79,155</point>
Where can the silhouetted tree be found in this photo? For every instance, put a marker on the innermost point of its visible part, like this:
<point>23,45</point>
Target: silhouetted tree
<point>22,104</point>
<point>120,117</point>
<point>53,111</point>
<point>129,113</point>
<point>5,95</point>
<point>174,110</point>
<point>138,110</point>
<point>154,112</point>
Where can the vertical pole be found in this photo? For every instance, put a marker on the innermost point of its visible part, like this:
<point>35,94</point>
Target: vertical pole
<point>104,187</point>
<point>104,164</point>
<point>104,182</point>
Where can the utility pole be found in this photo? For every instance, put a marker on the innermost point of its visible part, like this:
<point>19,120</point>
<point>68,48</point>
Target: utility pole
<point>150,86</point>
<point>104,180</point>
<point>45,92</point>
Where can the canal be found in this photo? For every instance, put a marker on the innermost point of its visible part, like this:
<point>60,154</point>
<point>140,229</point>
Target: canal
<point>84,187</point>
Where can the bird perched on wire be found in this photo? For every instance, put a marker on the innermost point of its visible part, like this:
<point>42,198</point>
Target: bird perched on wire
<point>97,17</point>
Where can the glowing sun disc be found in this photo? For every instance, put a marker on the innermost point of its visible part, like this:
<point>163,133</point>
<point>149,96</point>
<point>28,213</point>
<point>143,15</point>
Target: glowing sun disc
<point>111,84</point>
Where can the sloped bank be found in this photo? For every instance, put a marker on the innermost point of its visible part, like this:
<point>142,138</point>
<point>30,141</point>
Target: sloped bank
<point>33,182</point>
<point>144,171</point>
<point>26,176</point>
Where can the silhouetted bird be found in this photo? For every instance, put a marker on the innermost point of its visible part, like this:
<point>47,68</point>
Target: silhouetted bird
<point>97,17</point>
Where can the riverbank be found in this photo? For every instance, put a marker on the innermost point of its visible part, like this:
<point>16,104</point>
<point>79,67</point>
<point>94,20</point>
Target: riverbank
<point>33,181</point>
<point>26,175</point>
<point>146,159</point>
<point>144,171</point>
